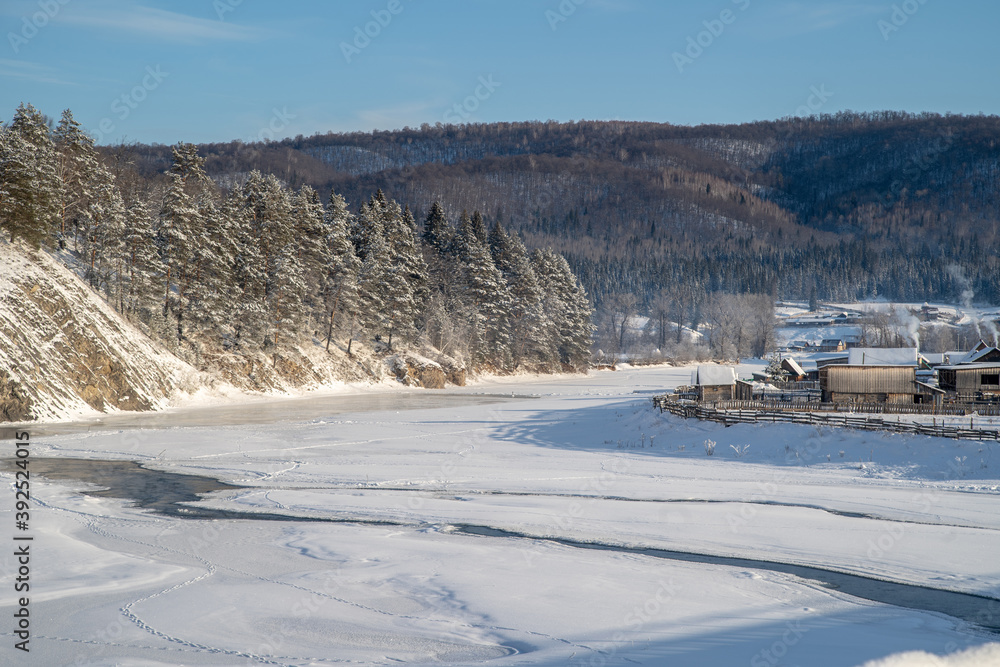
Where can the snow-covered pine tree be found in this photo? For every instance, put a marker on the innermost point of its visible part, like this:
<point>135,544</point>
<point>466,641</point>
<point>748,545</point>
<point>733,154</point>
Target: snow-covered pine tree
<point>775,372</point>
<point>143,269</point>
<point>566,308</point>
<point>210,284</point>
<point>528,326</point>
<point>340,287</point>
<point>490,299</point>
<point>28,170</point>
<point>176,227</point>
<point>77,162</point>
<point>437,232</point>
<point>248,275</point>
<point>408,262</point>
<point>189,242</point>
<point>269,210</point>
<point>311,248</point>
<point>102,225</point>
<point>368,237</point>
<point>393,276</point>
<point>479,227</point>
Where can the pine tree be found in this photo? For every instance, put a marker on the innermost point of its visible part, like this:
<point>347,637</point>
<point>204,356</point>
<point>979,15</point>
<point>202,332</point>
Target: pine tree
<point>269,210</point>
<point>248,276</point>
<point>566,307</point>
<point>209,289</point>
<point>489,294</point>
<point>405,304</point>
<point>175,234</point>
<point>311,247</point>
<point>479,227</point>
<point>77,163</point>
<point>29,176</point>
<point>102,224</point>
<point>368,238</point>
<point>437,232</point>
<point>528,326</point>
<point>142,262</point>
<point>341,281</point>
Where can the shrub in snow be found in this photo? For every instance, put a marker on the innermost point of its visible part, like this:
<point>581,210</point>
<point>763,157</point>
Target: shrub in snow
<point>740,451</point>
<point>710,447</point>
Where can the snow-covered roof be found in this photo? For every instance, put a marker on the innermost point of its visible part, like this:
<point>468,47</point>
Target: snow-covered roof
<point>976,355</point>
<point>882,356</point>
<point>713,375</point>
<point>793,366</point>
<point>965,367</point>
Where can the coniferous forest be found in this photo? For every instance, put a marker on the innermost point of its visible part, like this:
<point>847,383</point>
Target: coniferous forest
<point>649,219</point>
<point>251,265</point>
<point>841,207</point>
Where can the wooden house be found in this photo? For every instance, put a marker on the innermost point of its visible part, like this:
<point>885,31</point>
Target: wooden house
<point>795,372</point>
<point>832,345</point>
<point>875,384</point>
<point>883,356</point>
<point>714,383</point>
<point>971,379</point>
<point>982,354</point>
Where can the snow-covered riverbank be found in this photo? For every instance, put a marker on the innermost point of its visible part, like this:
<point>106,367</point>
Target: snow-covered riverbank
<point>586,459</point>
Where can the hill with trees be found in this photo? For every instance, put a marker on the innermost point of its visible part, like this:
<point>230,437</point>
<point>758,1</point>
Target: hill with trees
<point>664,221</point>
<point>246,277</point>
<point>841,207</point>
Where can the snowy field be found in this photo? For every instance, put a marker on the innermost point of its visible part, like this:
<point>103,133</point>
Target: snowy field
<point>588,460</point>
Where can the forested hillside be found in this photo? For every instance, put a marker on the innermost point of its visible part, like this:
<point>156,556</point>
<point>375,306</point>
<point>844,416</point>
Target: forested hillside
<point>246,276</point>
<point>652,219</point>
<point>843,207</point>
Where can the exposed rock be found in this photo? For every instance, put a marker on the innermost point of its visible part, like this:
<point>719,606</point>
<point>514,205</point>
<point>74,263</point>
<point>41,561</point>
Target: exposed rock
<point>417,371</point>
<point>15,404</point>
<point>64,350</point>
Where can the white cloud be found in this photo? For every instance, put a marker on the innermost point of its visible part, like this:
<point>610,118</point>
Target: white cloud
<point>160,24</point>
<point>22,69</point>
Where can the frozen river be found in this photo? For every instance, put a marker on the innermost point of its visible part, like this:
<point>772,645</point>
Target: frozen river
<point>579,527</point>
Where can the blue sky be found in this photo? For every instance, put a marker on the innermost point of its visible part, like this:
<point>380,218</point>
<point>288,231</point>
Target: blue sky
<point>217,70</point>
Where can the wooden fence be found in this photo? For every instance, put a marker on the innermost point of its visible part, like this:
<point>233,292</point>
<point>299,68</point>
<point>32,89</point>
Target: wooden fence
<point>829,414</point>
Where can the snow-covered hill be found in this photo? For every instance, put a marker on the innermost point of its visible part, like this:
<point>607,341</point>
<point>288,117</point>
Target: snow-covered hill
<point>64,351</point>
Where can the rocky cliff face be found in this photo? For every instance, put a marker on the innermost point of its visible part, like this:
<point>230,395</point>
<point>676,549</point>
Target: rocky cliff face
<point>64,351</point>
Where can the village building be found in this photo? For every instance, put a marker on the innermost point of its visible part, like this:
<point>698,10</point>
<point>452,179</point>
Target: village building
<point>974,380</point>
<point>875,384</point>
<point>714,383</point>
<point>883,356</point>
<point>832,345</point>
<point>793,369</point>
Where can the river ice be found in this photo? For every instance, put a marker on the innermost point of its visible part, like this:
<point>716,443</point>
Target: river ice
<point>588,459</point>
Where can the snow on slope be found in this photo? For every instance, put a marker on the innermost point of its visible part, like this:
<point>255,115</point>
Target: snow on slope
<point>65,352</point>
